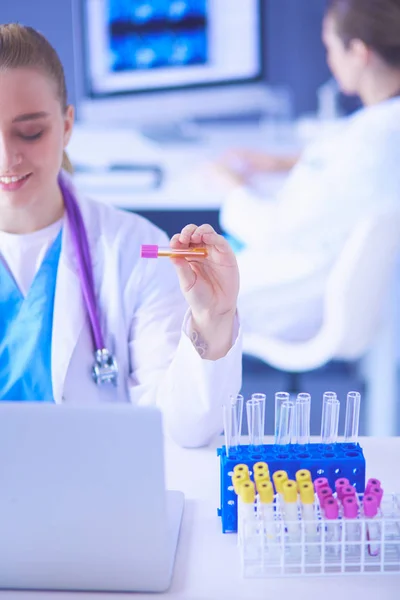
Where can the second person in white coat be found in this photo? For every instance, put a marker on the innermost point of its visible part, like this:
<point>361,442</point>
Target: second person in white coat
<point>292,241</point>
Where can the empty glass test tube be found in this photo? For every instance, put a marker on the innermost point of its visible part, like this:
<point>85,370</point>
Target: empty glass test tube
<point>352,419</point>
<point>232,414</point>
<point>285,425</point>
<point>254,410</point>
<point>261,398</point>
<point>280,397</point>
<point>302,418</point>
<point>330,418</point>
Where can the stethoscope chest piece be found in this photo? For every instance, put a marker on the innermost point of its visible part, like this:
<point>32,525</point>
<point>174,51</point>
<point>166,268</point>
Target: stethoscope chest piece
<point>105,368</point>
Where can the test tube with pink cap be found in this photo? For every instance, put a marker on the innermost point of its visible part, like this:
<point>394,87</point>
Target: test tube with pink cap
<point>331,513</point>
<point>378,493</point>
<point>351,524</point>
<point>339,485</point>
<point>373,533</point>
<point>320,482</point>
<point>372,482</point>
<point>324,493</point>
<point>348,491</point>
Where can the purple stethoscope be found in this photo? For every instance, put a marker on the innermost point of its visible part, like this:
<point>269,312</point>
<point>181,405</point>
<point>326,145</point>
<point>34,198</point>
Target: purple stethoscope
<point>105,368</point>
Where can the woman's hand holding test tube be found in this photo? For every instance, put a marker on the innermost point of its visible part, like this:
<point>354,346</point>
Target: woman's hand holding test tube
<point>209,280</point>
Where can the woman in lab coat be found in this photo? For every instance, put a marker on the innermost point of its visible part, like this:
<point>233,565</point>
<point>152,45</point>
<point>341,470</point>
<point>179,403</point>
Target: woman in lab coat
<point>171,328</point>
<point>291,241</point>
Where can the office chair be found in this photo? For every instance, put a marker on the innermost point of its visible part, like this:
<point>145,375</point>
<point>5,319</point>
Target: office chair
<point>358,320</point>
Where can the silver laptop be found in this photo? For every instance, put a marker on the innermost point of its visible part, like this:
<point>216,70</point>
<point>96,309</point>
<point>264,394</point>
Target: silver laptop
<point>83,504</point>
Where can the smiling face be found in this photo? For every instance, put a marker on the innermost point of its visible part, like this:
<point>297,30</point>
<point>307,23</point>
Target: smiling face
<point>34,130</point>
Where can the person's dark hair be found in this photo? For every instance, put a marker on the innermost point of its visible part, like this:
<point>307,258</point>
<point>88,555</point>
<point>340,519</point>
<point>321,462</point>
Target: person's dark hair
<point>374,22</point>
<point>25,47</point>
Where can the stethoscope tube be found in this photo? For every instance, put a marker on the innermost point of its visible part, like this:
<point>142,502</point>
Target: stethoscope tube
<point>105,369</point>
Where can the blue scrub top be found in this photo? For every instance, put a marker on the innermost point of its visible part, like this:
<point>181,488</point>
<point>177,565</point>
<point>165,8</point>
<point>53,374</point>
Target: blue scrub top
<point>26,332</point>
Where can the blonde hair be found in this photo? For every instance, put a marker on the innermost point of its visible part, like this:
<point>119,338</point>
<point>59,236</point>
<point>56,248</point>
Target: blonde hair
<point>22,46</point>
<point>66,164</point>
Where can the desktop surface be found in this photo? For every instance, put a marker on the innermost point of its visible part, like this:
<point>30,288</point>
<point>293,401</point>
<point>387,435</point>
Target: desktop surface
<point>208,565</point>
<point>186,182</point>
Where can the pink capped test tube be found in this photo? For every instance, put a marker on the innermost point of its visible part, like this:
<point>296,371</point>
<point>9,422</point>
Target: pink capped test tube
<point>370,507</point>
<point>323,494</point>
<point>348,490</point>
<point>340,484</point>
<point>377,492</point>
<point>372,482</point>
<point>154,251</point>
<point>320,483</point>
<point>351,525</point>
<point>331,513</point>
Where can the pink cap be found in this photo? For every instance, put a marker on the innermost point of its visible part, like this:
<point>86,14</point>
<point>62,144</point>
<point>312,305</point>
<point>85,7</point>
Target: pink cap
<point>340,488</point>
<point>370,505</point>
<point>324,492</point>
<point>341,482</point>
<point>377,492</point>
<point>372,483</point>
<point>149,251</point>
<point>350,507</point>
<point>320,482</point>
<point>347,490</point>
<point>331,508</point>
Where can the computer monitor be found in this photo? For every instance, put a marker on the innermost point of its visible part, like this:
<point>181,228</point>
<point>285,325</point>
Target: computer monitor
<point>147,61</point>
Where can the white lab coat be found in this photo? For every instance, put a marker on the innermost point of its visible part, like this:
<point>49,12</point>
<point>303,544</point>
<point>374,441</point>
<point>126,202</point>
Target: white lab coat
<point>141,313</point>
<point>293,240</point>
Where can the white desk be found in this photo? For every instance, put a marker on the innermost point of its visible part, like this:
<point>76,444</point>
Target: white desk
<point>207,565</point>
<point>185,184</point>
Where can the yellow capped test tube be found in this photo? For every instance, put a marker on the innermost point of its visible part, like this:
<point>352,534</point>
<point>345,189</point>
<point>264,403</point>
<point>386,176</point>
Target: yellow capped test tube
<point>307,494</point>
<point>307,498</point>
<point>303,475</point>
<point>260,466</point>
<point>266,509</point>
<point>247,524</point>
<point>266,492</point>
<point>289,493</point>
<point>279,478</point>
<point>238,479</point>
<point>247,492</point>
<point>261,477</point>
<point>241,468</point>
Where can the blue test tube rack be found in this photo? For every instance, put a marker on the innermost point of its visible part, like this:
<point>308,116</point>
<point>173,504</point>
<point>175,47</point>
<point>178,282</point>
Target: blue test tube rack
<point>332,461</point>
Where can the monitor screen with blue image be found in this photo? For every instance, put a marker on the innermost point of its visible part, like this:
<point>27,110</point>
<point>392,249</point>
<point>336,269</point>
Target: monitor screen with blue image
<point>136,46</point>
<point>160,34</point>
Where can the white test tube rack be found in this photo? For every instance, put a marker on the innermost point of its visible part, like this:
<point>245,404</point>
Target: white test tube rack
<point>262,558</point>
